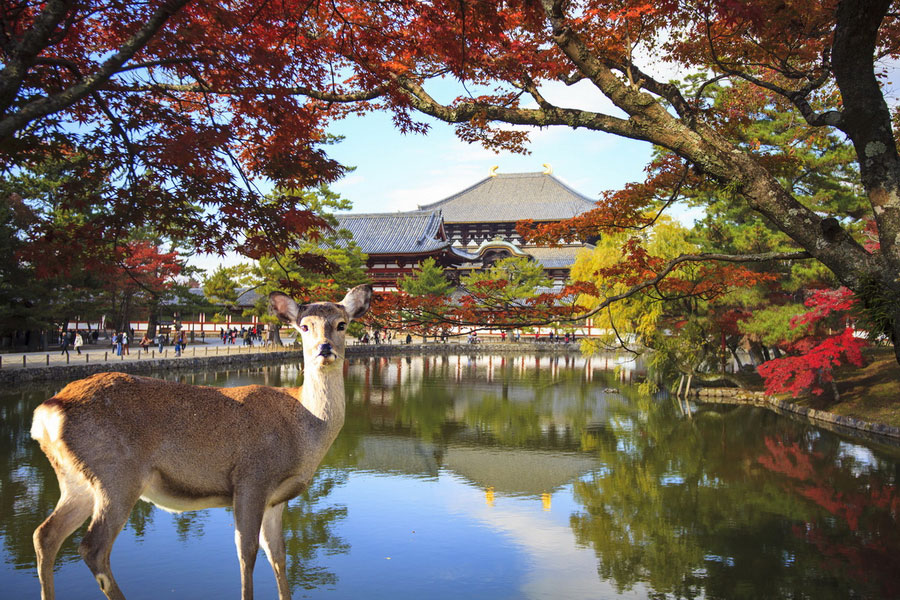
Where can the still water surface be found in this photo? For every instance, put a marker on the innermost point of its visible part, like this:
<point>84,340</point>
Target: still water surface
<point>510,477</point>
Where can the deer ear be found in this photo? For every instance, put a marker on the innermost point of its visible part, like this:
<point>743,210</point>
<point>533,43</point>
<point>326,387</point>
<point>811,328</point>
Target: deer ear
<point>357,301</point>
<point>283,306</point>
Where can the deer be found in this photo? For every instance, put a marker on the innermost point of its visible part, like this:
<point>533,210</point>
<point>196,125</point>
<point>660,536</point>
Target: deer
<point>114,438</point>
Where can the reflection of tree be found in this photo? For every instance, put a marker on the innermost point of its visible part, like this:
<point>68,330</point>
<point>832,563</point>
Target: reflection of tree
<point>308,529</point>
<point>686,508</point>
<point>861,535</point>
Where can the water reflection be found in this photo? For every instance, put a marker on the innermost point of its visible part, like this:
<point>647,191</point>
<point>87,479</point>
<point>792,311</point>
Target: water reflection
<point>521,477</point>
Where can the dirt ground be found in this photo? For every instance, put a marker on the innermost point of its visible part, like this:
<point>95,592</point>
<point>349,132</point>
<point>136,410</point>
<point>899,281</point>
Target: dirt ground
<point>871,393</point>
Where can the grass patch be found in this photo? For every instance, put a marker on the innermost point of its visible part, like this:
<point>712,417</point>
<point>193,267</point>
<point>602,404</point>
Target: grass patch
<point>870,394</point>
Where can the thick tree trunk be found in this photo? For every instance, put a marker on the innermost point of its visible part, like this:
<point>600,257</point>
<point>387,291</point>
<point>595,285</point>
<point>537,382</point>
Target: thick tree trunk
<point>153,318</point>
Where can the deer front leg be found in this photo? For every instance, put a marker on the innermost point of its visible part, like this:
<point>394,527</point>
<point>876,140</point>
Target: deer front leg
<point>248,515</point>
<point>272,538</point>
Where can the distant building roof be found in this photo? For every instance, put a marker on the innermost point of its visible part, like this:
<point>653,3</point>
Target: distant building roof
<point>562,257</point>
<point>396,233</point>
<point>414,232</point>
<point>512,197</point>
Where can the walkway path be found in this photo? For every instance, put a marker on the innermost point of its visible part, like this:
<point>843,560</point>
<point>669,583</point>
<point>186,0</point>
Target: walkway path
<point>104,352</point>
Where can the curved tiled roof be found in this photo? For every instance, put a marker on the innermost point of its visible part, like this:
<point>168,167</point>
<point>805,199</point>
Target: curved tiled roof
<point>511,197</point>
<point>562,257</point>
<point>395,233</point>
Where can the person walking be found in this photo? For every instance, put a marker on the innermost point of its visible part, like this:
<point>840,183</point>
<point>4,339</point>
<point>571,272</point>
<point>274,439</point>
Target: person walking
<point>64,343</point>
<point>125,343</point>
<point>79,342</point>
<point>160,341</point>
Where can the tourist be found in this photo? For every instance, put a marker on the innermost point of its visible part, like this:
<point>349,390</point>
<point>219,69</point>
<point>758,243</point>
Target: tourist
<point>160,341</point>
<point>125,342</point>
<point>79,342</point>
<point>145,342</point>
<point>502,336</point>
<point>409,338</point>
<point>64,342</point>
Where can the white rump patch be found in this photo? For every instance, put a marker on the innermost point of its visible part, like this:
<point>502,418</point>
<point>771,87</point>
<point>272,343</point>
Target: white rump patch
<point>47,424</point>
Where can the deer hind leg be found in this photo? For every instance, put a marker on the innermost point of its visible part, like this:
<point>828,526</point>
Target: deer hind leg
<point>110,515</point>
<point>272,539</point>
<point>75,505</point>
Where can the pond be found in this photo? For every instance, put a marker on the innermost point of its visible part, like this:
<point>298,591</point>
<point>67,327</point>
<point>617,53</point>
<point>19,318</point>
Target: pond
<point>510,477</point>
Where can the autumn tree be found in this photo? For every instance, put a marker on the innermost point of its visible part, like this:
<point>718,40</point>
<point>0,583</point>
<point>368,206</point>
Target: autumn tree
<point>196,89</point>
<point>816,59</point>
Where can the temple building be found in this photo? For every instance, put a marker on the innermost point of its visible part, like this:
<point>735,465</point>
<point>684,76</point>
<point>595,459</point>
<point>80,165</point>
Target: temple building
<point>470,229</point>
<point>397,242</point>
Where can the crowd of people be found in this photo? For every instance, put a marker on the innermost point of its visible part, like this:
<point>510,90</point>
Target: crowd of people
<point>246,335</point>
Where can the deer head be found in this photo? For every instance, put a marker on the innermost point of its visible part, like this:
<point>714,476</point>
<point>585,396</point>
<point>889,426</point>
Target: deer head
<point>322,325</point>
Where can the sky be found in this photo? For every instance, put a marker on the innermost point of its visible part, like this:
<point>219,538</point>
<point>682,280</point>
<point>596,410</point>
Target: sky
<point>400,172</point>
<point>397,172</point>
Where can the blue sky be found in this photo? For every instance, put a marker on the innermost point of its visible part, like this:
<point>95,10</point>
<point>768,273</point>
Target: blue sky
<point>399,172</point>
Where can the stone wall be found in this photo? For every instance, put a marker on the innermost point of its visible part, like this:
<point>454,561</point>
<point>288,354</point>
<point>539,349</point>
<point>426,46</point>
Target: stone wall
<point>737,396</point>
<point>73,371</point>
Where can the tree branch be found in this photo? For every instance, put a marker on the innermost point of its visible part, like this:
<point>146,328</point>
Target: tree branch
<point>43,106</point>
<point>701,257</point>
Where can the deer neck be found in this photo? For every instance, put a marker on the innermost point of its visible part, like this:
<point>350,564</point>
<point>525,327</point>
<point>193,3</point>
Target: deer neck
<point>323,394</point>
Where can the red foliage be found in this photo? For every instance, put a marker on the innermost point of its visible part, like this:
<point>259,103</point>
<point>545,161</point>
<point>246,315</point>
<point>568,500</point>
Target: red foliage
<point>808,372</point>
<point>623,209</point>
<point>815,357</point>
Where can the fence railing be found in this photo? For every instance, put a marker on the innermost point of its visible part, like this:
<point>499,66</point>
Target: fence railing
<point>95,355</point>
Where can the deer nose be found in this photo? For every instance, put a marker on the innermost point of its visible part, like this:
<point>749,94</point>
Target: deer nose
<point>325,349</point>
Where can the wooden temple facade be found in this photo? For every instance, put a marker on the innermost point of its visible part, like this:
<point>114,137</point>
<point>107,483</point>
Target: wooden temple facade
<point>470,229</point>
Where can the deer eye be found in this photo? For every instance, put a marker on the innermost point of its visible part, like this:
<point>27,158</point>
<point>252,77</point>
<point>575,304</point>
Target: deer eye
<point>304,328</point>
<point>341,326</point>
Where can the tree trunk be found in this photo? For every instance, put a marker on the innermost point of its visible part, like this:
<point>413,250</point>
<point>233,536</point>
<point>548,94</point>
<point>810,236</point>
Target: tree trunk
<point>153,318</point>
<point>275,335</point>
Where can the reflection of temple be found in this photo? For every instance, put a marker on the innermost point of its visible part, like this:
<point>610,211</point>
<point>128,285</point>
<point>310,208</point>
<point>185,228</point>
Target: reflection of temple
<point>555,386</point>
<point>470,229</point>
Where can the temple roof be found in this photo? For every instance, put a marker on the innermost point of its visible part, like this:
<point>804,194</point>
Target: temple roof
<point>562,257</point>
<point>396,233</point>
<point>508,197</point>
<point>414,232</point>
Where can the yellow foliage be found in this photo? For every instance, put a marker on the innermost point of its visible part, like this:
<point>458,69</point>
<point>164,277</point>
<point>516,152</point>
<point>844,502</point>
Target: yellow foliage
<point>637,317</point>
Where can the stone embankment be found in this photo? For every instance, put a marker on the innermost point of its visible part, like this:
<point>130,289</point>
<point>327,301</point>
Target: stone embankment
<point>820,417</point>
<point>74,371</point>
